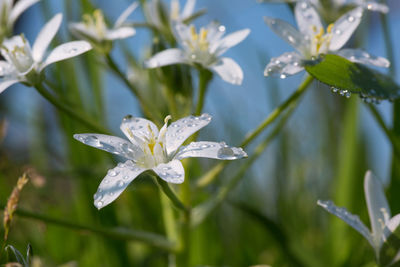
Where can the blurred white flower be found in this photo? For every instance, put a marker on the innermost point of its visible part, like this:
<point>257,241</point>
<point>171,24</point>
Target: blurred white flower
<point>204,48</point>
<point>94,28</point>
<point>379,213</point>
<point>312,40</point>
<point>153,149</point>
<point>24,64</point>
<point>176,14</point>
<point>372,5</point>
<point>9,13</point>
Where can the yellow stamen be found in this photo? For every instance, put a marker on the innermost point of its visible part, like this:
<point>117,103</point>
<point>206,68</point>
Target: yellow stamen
<point>167,119</point>
<point>193,33</point>
<point>330,27</point>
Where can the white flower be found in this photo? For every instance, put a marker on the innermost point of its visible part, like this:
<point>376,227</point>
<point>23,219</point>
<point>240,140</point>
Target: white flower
<point>153,149</point>
<point>94,28</point>
<point>204,48</point>
<point>312,40</point>
<point>379,213</point>
<point>9,13</point>
<point>372,5</point>
<point>176,14</point>
<point>24,64</point>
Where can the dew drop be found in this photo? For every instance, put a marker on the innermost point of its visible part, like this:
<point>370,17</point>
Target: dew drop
<point>126,177</point>
<point>121,184</point>
<point>99,204</point>
<point>304,5</point>
<point>338,32</point>
<point>204,146</point>
<point>350,18</point>
<point>348,95</point>
<point>225,152</point>
<point>221,28</point>
<point>283,76</point>
<point>334,89</point>
<point>112,173</point>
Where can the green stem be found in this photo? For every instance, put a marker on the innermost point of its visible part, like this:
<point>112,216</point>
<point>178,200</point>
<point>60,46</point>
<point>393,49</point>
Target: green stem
<point>389,134</point>
<point>163,185</point>
<point>69,111</point>
<point>209,177</point>
<point>201,212</point>
<point>116,233</point>
<point>205,77</point>
<point>147,110</point>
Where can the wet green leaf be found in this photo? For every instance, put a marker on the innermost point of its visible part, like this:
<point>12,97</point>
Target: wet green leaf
<point>342,74</point>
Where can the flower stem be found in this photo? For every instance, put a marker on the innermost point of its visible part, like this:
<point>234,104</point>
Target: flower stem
<point>117,233</point>
<point>209,177</point>
<point>147,111</point>
<point>201,212</point>
<point>70,111</point>
<point>205,77</point>
<point>163,185</point>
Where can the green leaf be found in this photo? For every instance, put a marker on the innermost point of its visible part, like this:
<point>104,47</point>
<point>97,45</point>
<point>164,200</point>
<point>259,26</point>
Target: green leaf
<point>345,76</point>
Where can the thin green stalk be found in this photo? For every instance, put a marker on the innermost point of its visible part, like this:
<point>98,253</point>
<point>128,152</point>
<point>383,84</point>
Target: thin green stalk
<point>389,134</point>
<point>147,110</point>
<point>70,111</point>
<point>202,211</point>
<point>205,77</point>
<point>209,177</point>
<point>163,185</point>
<point>116,233</point>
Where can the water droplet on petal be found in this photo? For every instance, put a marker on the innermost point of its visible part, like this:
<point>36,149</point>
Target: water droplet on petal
<point>283,76</point>
<point>99,204</point>
<point>113,173</point>
<point>350,18</point>
<point>121,184</point>
<point>221,28</point>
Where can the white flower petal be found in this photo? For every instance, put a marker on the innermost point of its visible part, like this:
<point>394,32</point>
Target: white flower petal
<point>79,30</point>
<point>115,182</point>
<point>375,6</point>
<point>391,226</point>
<point>6,68</point>
<point>344,28</point>
<point>120,33</point>
<point>4,84</point>
<point>285,65</point>
<point>134,127</point>
<point>112,144</point>
<point>122,18</point>
<point>181,129</point>
<point>228,70</point>
<point>350,219</point>
<point>360,56</point>
<point>171,172</point>
<point>188,9</point>
<point>166,57</point>
<point>65,51</point>
<point>45,36</point>
<point>211,150</point>
<point>307,18</point>
<point>20,7</point>
<point>229,41</point>
<point>287,32</point>
<point>378,208</point>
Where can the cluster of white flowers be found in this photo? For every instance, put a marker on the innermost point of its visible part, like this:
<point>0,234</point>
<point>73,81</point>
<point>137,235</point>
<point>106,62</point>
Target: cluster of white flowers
<point>312,40</point>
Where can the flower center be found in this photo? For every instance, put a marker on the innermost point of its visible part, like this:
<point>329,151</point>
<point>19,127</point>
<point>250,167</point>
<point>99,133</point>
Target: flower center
<point>18,53</point>
<point>198,41</point>
<point>95,22</point>
<point>320,41</point>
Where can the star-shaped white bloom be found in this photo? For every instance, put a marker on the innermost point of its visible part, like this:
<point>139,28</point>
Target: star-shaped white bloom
<point>383,225</point>
<point>94,28</point>
<point>151,149</point>
<point>312,40</point>
<point>24,64</point>
<point>204,48</point>
<point>9,13</point>
<point>372,5</point>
